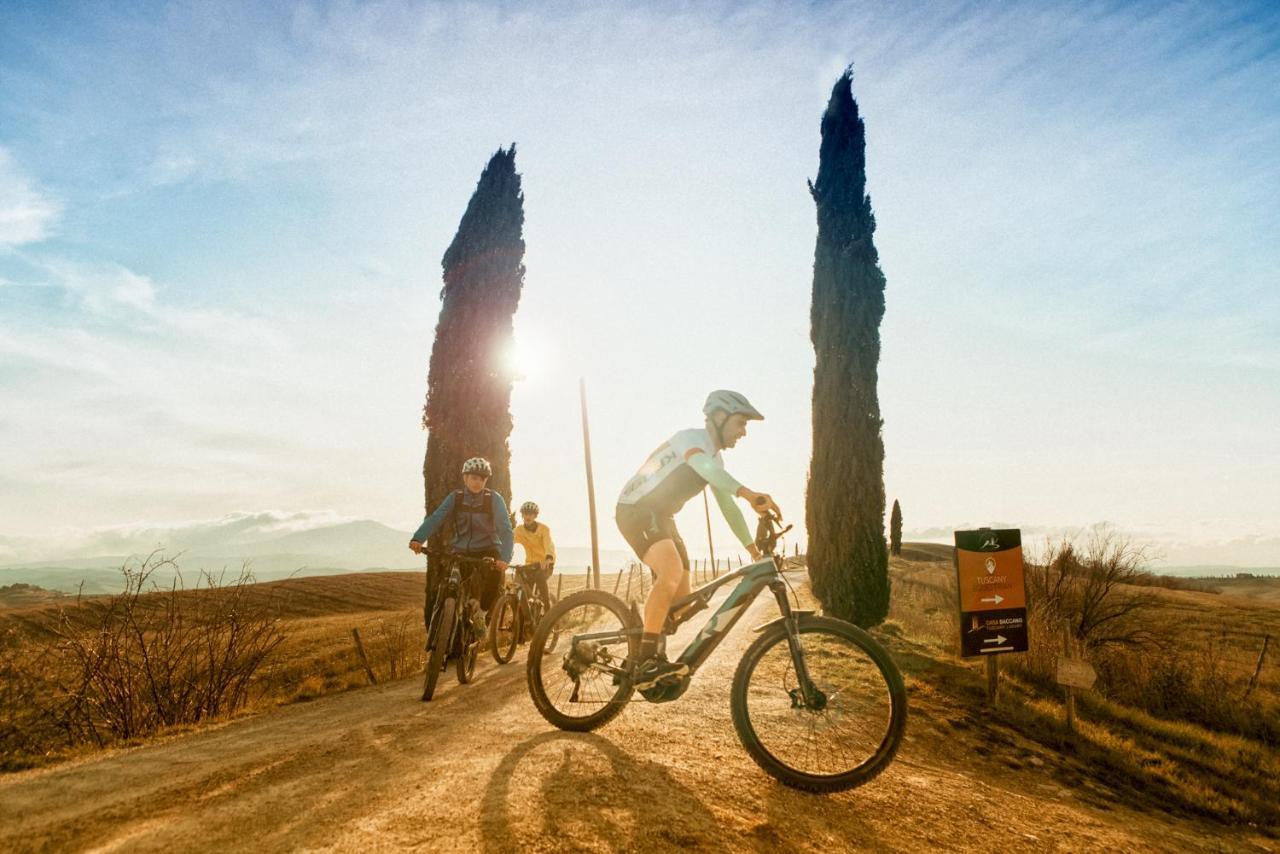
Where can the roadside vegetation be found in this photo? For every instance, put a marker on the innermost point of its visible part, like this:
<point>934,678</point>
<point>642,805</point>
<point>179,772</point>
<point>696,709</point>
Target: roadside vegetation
<point>79,674</point>
<point>1182,717</point>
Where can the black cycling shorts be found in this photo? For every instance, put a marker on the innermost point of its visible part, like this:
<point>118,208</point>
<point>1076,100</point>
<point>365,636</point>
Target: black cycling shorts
<point>642,528</point>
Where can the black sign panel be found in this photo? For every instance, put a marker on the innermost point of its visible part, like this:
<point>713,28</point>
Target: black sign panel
<point>993,632</point>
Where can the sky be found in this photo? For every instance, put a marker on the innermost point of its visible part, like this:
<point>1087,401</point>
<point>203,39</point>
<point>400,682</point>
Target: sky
<point>221,231</point>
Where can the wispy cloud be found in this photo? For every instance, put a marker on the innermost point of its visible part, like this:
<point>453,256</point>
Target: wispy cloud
<point>27,215</point>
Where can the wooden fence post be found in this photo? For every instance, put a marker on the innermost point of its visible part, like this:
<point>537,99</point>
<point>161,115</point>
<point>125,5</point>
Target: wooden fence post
<point>1071,692</point>
<point>617,583</point>
<point>364,659</point>
<point>1253,680</point>
<point>559,581</point>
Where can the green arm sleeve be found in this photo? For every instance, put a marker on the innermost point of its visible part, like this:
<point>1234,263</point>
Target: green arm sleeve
<point>733,515</point>
<point>713,473</point>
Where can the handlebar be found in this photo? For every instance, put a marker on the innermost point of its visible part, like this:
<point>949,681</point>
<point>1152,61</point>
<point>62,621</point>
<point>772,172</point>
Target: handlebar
<point>768,534</point>
<point>457,558</point>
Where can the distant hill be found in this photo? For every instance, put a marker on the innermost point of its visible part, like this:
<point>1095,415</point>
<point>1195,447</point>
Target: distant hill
<point>354,546</point>
<point>23,595</point>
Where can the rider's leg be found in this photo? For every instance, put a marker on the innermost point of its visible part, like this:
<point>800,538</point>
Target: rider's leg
<point>664,558</point>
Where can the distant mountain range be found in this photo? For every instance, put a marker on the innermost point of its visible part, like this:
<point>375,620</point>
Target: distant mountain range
<point>322,550</point>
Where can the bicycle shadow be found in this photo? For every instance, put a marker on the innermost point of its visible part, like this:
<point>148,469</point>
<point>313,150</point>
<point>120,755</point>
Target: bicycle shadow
<point>580,791</point>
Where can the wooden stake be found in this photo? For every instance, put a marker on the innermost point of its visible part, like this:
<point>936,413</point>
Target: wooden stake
<point>364,659</point>
<point>1253,680</point>
<point>1071,692</point>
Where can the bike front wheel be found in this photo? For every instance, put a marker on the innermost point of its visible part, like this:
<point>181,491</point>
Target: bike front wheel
<point>587,684</point>
<point>439,648</point>
<point>504,629</point>
<point>846,732</point>
<point>468,646</point>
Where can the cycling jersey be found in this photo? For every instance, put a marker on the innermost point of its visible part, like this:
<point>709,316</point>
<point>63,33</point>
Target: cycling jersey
<point>678,470</point>
<point>537,543</point>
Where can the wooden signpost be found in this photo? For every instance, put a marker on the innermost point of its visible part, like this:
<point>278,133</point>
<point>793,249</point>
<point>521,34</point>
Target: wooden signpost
<point>993,596</point>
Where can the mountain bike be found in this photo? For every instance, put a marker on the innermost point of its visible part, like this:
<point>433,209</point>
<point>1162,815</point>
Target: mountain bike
<point>517,612</point>
<point>817,702</point>
<point>451,632</point>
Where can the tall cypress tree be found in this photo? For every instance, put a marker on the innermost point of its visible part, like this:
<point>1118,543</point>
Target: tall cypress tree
<point>895,529</point>
<point>468,405</point>
<point>844,507</point>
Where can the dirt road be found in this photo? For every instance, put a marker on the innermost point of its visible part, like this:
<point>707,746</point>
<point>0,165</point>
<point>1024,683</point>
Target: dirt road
<point>478,769</point>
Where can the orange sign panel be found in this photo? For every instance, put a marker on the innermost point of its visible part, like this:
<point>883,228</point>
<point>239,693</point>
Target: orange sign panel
<point>991,581</point>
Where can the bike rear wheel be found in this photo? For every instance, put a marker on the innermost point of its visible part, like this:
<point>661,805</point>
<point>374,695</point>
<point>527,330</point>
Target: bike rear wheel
<point>588,685</point>
<point>504,629</point>
<point>845,738</point>
<point>439,648</point>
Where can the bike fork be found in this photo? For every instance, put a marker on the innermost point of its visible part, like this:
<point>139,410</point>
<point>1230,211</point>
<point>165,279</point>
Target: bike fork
<point>791,620</point>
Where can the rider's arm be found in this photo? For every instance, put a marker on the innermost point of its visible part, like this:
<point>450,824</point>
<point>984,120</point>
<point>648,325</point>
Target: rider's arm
<point>432,523</point>
<point>546,538</point>
<point>711,471</point>
<point>502,525</point>
<point>733,515</point>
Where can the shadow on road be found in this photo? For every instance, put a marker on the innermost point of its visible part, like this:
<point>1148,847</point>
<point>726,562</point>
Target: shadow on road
<point>581,791</point>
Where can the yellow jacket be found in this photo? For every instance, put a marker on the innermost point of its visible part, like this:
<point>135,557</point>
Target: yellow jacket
<point>537,543</point>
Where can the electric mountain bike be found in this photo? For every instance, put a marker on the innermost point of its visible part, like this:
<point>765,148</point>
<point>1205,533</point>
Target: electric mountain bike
<point>451,633</point>
<point>817,702</point>
<point>517,612</point>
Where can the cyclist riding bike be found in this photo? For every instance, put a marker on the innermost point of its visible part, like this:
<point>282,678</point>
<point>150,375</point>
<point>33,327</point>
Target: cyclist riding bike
<point>535,537</point>
<point>678,470</point>
<point>481,528</point>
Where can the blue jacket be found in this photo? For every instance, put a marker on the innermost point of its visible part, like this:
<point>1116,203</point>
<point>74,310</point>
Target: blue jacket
<point>474,530</point>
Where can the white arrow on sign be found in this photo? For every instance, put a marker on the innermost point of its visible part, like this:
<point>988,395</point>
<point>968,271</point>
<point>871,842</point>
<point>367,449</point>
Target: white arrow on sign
<point>996,639</point>
<point>996,599</point>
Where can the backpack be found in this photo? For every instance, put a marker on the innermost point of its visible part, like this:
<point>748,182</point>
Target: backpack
<point>486,503</point>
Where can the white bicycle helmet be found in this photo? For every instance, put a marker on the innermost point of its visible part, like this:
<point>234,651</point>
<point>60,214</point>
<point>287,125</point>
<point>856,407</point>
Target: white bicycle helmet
<point>529,507</point>
<point>732,403</point>
<point>477,465</point>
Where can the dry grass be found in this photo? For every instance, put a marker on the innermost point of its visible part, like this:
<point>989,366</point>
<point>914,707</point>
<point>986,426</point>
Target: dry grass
<point>1171,725</point>
<point>314,655</point>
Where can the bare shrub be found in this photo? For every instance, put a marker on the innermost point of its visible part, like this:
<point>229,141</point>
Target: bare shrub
<point>1146,656</point>
<point>1090,589</point>
<point>398,645</point>
<point>146,658</point>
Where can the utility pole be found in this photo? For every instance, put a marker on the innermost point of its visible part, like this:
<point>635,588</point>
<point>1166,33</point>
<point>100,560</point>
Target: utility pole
<point>594,577</point>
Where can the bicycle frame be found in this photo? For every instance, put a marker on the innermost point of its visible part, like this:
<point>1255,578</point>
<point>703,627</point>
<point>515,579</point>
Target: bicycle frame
<point>455,584</point>
<point>753,578</point>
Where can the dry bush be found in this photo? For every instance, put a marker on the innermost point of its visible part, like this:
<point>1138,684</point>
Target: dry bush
<point>127,665</point>
<point>1145,656</point>
<point>1089,589</point>
<point>397,646</point>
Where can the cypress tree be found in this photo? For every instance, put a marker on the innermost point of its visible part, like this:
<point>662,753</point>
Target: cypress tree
<point>468,404</point>
<point>895,529</point>
<point>844,506</point>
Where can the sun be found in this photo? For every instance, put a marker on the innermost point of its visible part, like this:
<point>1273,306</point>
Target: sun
<point>523,357</point>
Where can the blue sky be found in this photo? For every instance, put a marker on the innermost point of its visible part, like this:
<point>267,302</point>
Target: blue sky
<point>221,229</point>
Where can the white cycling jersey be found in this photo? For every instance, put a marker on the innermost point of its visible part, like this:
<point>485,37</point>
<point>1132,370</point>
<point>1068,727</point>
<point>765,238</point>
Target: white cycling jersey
<point>666,480</point>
